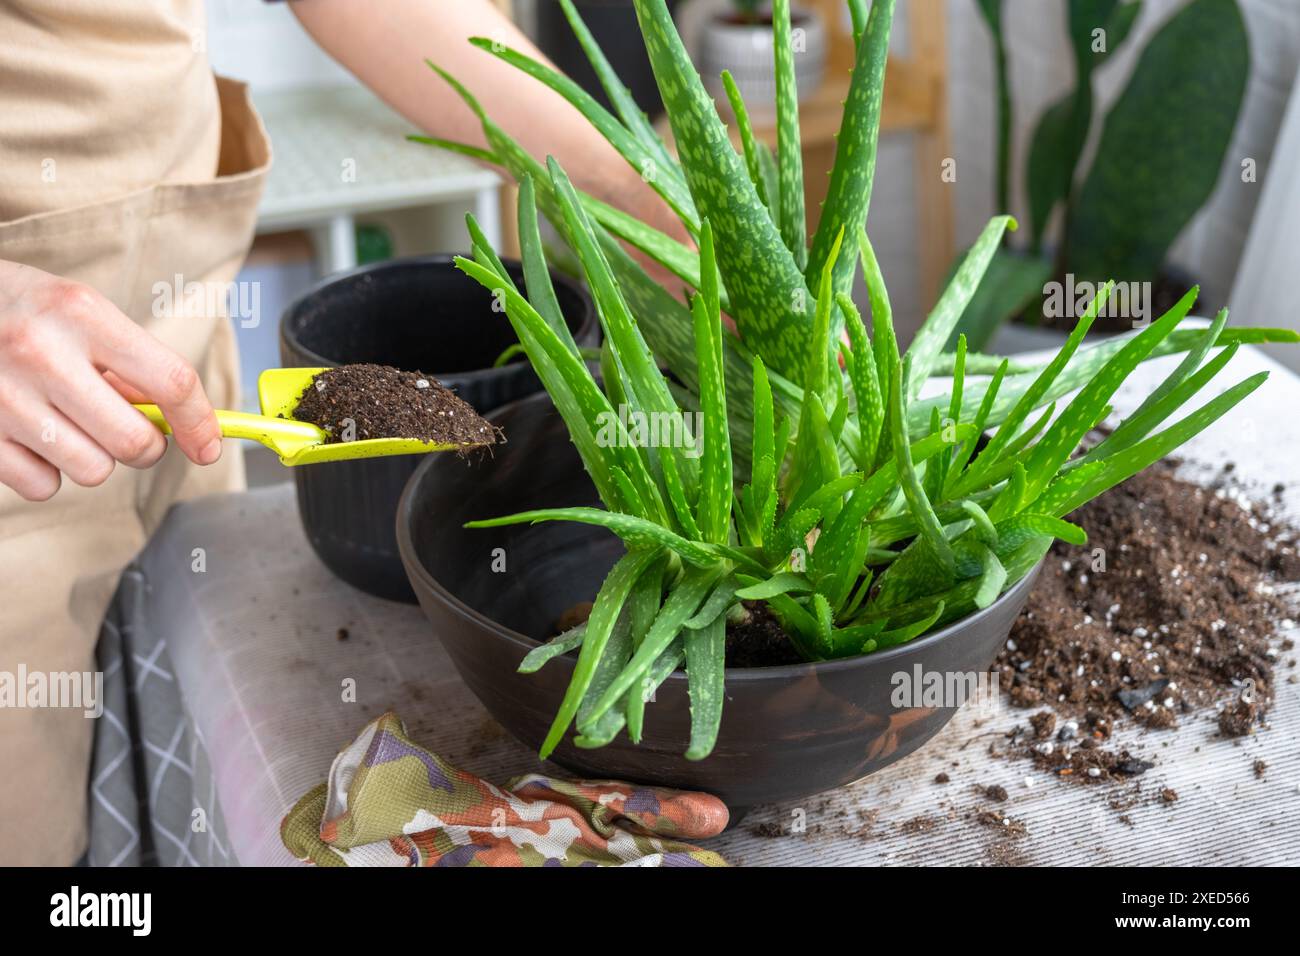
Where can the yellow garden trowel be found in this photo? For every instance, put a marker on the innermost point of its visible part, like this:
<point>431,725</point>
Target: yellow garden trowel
<point>298,443</point>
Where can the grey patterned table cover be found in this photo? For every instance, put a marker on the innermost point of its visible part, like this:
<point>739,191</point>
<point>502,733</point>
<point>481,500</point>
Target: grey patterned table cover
<point>225,704</point>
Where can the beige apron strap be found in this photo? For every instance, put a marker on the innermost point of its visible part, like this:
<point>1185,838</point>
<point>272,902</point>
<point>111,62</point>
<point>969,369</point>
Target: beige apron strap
<point>61,559</point>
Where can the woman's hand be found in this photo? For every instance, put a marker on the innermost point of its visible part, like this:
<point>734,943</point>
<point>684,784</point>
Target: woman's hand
<point>71,364</point>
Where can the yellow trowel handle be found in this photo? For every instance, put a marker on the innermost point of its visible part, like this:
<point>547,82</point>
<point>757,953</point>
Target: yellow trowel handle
<point>260,428</point>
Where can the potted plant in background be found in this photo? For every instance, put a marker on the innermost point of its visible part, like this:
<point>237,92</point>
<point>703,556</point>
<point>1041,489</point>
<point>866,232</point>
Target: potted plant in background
<point>1157,161</point>
<point>738,36</point>
<point>869,522</point>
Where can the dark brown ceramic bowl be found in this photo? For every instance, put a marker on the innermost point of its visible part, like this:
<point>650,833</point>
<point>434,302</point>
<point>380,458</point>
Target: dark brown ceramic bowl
<point>787,732</point>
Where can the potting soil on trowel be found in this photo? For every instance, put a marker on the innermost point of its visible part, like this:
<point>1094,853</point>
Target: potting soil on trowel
<point>360,402</point>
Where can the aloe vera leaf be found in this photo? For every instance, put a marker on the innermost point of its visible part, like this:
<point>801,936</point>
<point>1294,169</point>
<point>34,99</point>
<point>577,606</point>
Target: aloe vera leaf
<point>839,542</point>
<point>821,612</point>
<point>856,639</point>
<point>789,149</point>
<point>790,534</point>
<point>932,477</point>
<point>983,525</point>
<point>619,96</point>
<point>664,180</point>
<point>714,510</point>
<point>666,323</point>
<point>719,601</point>
<point>765,450</point>
<point>750,146</point>
<point>706,652</point>
<point>606,727</point>
<point>643,604</point>
<point>783,582</point>
<point>537,276</point>
<point>635,504</point>
<point>930,529</point>
<point>909,632</point>
<point>1063,498</point>
<point>481,247</point>
<point>451,146</point>
<point>849,194</point>
<point>1171,128</point>
<point>1030,398</point>
<point>760,274</point>
<point>1026,524</point>
<point>992,580</point>
<point>1190,363</point>
<point>820,498</point>
<point>682,602</point>
<point>883,341</point>
<point>860,593</point>
<point>1069,427</point>
<point>865,380</point>
<point>577,397</point>
<point>677,499</point>
<point>1010,286</point>
<point>800,626</point>
<point>560,644</point>
<point>663,667</point>
<point>858,15</point>
<point>1012,498</point>
<point>617,651</point>
<point>981,363</point>
<point>677,258</point>
<point>815,377</point>
<point>938,326</point>
<point>637,532</point>
<point>1022,440</point>
<point>605,612</point>
<point>634,356</point>
<point>1142,424</point>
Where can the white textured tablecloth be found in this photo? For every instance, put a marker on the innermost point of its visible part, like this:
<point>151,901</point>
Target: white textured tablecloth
<point>254,642</point>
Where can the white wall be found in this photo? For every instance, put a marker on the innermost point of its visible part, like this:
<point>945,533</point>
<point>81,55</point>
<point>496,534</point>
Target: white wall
<point>1042,71</point>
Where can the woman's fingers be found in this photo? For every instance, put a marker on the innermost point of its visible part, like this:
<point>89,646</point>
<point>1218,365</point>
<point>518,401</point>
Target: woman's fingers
<point>98,409</point>
<point>127,391</point>
<point>48,433</point>
<point>171,383</point>
<point>26,473</point>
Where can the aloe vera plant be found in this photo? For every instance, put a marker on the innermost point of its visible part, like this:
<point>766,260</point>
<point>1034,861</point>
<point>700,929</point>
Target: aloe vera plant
<point>824,481</point>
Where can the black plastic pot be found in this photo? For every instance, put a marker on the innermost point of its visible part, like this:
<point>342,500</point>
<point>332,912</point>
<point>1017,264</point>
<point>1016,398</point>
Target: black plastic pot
<point>419,313</point>
<point>787,732</point>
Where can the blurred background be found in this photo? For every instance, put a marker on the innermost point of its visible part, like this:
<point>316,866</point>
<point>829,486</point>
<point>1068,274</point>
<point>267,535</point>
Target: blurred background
<point>1161,145</point>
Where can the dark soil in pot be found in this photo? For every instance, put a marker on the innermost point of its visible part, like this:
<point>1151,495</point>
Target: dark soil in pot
<point>412,314</point>
<point>490,595</point>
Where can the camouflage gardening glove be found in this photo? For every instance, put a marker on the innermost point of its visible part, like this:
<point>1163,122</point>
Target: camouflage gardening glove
<point>389,802</point>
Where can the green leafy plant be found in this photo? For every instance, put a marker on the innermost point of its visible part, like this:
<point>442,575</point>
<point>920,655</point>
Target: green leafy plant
<point>1162,145</point>
<point>863,512</point>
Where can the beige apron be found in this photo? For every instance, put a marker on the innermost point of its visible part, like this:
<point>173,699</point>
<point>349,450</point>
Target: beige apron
<point>123,164</point>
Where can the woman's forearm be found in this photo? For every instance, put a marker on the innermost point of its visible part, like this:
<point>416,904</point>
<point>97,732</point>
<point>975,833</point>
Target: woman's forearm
<point>385,46</point>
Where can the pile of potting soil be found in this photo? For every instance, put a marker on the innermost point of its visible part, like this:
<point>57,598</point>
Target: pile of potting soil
<point>383,402</point>
<point>1170,609</point>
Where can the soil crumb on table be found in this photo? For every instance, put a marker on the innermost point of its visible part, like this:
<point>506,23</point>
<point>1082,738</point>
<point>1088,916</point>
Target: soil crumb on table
<point>1168,610</point>
<point>360,402</point>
